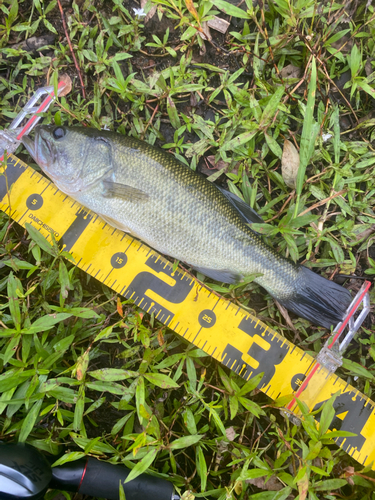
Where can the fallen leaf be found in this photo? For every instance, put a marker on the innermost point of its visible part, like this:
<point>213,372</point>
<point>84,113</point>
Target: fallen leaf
<point>258,482</point>
<point>349,471</point>
<point>367,229</point>
<point>217,166</point>
<point>368,66</point>
<point>150,13</point>
<point>230,433</point>
<point>291,71</point>
<point>218,24</point>
<point>345,44</point>
<point>82,364</point>
<point>190,6</point>
<point>160,338</point>
<point>286,316</point>
<point>289,164</point>
<point>205,33</point>
<point>273,484</point>
<point>68,84</point>
<point>220,165</point>
<point>202,49</point>
<point>119,307</point>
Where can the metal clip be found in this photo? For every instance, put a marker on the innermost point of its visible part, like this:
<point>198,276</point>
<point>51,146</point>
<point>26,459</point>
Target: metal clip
<point>10,138</point>
<point>331,355</point>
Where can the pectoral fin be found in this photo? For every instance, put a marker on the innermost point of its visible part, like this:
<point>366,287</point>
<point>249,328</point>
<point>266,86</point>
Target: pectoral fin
<point>116,190</point>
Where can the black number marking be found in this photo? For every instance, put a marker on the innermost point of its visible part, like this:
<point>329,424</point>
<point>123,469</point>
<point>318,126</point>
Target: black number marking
<point>34,202</point>
<point>207,318</point>
<point>174,294</point>
<point>266,351</point>
<point>297,381</point>
<point>10,176</point>
<point>118,260</point>
<point>74,231</point>
<point>356,411</point>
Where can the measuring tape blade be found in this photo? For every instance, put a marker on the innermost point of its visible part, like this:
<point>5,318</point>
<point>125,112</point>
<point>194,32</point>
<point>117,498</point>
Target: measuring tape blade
<point>223,330</point>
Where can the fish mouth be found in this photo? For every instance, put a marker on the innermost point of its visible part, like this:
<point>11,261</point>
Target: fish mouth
<point>40,149</point>
<point>30,145</point>
<point>52,159</point>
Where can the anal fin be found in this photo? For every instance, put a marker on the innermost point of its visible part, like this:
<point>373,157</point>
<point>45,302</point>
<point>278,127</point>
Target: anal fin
<point>221,275</point>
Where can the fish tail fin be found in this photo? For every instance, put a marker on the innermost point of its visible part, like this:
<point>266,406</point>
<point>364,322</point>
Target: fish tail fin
<point>317,299</point>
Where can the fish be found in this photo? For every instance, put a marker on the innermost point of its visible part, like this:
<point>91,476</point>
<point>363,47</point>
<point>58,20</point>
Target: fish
<point>145,191</point>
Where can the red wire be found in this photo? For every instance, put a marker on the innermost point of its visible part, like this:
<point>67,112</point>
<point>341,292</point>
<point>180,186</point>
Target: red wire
<point>303,386</point>
<point>83,474</point>
<point>353,310</point>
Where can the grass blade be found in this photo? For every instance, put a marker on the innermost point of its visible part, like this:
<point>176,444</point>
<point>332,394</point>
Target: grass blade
<point>308,131</point>
<point>142,465</point>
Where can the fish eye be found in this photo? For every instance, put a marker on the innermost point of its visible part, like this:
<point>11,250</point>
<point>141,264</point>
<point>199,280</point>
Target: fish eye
<point>58,133</point>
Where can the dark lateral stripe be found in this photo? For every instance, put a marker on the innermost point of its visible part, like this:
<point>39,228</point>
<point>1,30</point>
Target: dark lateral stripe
<point>74,231</point>
<point>10,176</point>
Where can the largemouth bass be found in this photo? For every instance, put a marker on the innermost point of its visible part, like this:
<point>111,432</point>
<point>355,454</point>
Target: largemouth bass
<point>145,191</point>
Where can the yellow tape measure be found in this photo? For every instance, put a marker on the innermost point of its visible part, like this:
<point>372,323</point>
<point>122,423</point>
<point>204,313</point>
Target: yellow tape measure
<point>224,331</point>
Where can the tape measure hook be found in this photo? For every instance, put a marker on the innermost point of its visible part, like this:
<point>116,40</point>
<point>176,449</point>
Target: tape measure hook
<point>10,138</point>
<point>331,355</point>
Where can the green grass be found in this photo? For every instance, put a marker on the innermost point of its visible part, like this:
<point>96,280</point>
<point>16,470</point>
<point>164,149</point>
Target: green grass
<point>182,414</point>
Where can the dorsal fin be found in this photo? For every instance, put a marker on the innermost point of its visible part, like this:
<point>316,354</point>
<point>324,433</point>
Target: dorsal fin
<point>248,214</point>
